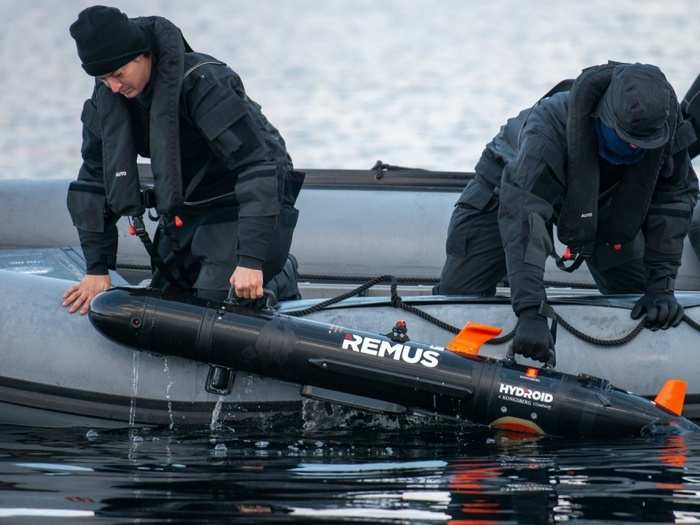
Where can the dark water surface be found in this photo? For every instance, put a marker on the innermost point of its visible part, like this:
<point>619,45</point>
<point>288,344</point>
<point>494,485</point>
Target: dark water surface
<point>426,476</point>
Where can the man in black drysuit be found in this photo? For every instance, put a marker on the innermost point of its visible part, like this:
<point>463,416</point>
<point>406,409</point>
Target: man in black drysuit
<point>224,188</point>
<point>604,157</point>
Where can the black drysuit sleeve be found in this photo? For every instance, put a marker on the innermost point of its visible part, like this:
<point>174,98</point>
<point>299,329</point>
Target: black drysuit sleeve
<point>668,222</point>
<point>524,220</point>
<point>219,110</point>
<point>86,201</point>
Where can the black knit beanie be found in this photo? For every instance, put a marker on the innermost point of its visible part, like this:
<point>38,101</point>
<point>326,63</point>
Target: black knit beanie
<point>107,39</point>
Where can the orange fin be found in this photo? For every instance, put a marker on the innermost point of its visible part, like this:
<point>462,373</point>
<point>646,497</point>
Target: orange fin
<point>516,424</point>
<point>672,396</point>
<point>472,336</point>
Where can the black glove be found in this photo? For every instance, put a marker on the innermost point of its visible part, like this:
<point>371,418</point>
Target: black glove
<point>661,308</point>
<point>533,338</point>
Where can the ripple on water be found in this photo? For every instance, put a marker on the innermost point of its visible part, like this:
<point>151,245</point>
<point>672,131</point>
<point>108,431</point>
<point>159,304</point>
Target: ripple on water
<point>424,475</point>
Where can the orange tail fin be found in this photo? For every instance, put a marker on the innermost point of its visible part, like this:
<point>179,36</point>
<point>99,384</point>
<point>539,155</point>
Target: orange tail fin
<point>672,396</point>
<point>472,336</point>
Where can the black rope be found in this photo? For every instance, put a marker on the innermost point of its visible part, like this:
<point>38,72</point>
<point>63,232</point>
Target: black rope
<point>344,279</point>
<point>168,268</point>
<point>564,284</point>
<point>428,281</point>
<point>347,295</point>
<point>397,302</point>
<point>598,341</point>
<point>503,339</point>
<point>691,322</point>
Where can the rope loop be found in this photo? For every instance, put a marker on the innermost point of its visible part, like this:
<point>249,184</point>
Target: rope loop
<point>397,302</point>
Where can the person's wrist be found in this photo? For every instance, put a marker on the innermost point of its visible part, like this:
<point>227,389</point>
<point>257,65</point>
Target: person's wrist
<point>664,285</point>
<point>98,271</point>
<point>250,262</point>
<point>530,313</point>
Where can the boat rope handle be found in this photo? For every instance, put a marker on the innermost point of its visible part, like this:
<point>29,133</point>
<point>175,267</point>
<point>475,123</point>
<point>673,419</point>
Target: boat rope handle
<point>397,302</point>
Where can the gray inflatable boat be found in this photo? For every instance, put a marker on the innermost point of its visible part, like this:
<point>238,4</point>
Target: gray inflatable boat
<point>57,370</point>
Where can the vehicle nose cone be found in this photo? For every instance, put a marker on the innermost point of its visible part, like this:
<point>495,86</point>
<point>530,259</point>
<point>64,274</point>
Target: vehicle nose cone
<point>118,313</point>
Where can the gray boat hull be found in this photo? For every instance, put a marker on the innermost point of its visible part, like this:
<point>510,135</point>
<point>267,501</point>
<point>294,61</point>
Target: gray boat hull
<point>366,232</point>
<point>57,370</point>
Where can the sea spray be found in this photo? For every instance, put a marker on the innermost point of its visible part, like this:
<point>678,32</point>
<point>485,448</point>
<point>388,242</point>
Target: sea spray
<point>214,424</point>
<point>166,371</point>
<point>135,360</point>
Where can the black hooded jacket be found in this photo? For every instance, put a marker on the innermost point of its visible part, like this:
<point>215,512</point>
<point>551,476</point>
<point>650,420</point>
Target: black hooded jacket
<point>544,166</point>
<point>205,138</point>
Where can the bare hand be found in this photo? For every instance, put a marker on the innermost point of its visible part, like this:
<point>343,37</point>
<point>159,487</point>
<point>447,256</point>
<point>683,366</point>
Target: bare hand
<point>78,296</point>
<point>247,283</point>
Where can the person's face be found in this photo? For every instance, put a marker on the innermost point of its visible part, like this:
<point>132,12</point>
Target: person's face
<point>130,79</point>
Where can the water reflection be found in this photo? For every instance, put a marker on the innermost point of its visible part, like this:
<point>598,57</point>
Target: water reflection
<point>424,477</point>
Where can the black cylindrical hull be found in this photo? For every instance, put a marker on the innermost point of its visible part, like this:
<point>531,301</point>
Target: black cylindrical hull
<point>421,377</point>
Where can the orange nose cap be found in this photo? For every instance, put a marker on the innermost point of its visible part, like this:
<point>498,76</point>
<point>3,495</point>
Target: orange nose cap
<point>472,336</point>
<point>672,396</point>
